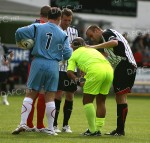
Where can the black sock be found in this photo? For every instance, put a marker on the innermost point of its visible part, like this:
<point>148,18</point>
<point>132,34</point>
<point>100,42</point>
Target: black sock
<point>122,110</point>
<point>67,111</point>
<point>3,87</point>
<point>57,104</point>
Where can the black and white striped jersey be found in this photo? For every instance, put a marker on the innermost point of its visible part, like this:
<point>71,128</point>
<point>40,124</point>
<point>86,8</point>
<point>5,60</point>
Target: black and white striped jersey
<point>72,34</point>
<point>121,52</point>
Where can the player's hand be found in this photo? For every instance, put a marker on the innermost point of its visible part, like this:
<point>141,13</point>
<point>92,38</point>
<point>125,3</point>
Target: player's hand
<point>81,84</point>
<point>81,81</point>
<point>82,74</point>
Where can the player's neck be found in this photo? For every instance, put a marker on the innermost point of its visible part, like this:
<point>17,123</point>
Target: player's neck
<point>43,19</point>
<point>63,27</point>
<point>53,21</point>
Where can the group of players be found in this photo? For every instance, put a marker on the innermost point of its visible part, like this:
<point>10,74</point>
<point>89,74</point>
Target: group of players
<point>52,65</point>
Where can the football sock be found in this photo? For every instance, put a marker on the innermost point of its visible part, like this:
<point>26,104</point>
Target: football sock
<point>26,108</point>
<point>40,111</point>
<point>3,88</point>
<point>3,91</point>
<point>57,104</point>
<point>122,110</point>
<point>67,111</point>
<point>11,85</point>
<point>90,115</point>
<point>30,117</point>
<point>4,97</point>
<point>99,123</point>
<point>50,113</point>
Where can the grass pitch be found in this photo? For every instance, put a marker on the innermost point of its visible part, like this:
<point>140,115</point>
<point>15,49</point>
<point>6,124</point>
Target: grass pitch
<point>137,123</point>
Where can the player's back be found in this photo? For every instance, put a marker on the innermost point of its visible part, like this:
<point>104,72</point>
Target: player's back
<point>51,41</point>
<point>85,57</point>
<point>119,52</point>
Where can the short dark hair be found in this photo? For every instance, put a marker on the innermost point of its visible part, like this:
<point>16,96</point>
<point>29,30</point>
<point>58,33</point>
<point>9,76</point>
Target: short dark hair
<point>44,11</point>
<point>54,13</point>
<point>67,12</point>
<point>78,42</point>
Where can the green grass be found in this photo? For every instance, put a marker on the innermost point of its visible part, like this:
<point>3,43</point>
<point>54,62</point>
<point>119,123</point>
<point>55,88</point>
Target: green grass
<point>137,124</point>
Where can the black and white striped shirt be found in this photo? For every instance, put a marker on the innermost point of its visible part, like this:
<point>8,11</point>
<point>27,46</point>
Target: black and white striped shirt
<point>72,34</point>
<point>121,52</point>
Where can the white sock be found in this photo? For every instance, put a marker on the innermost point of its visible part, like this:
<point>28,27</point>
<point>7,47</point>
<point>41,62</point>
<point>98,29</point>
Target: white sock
<point>50,113</point>
<point>26,109</point>
<point>4,97</point>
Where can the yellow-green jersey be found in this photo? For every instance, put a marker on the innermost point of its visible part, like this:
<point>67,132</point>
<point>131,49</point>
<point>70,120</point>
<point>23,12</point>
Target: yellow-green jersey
<point>97,69</point>
<point>84,57</point>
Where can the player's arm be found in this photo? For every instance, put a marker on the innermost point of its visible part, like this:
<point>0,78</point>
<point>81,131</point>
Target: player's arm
<point>72,76</point>
<point>77,80</point>
<point>71,67</point>
<point>109,44</point>
<point>26,32</point>
<point>67,50</point>
<point>70,71</point>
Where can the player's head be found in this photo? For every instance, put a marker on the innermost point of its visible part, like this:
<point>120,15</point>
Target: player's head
<point>44,11</point>
<point>94,33</point>
<point>77,42</point>
<point>66,18</point>
<point>54,15</point>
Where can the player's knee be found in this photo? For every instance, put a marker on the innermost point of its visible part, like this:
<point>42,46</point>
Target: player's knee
<point>121,99</point>
<point>69,96</point>
<point>58,95</point>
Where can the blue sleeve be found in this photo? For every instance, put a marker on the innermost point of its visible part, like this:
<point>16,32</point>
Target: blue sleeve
<point>26,32</point>
<point>67,51</point>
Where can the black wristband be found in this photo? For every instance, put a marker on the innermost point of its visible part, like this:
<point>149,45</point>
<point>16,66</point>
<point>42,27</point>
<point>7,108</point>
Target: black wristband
<point>78,83</point>
<point>80,80</point>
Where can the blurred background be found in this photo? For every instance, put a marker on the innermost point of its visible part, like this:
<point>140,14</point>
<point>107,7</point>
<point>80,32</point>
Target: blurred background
<point>129,17</point>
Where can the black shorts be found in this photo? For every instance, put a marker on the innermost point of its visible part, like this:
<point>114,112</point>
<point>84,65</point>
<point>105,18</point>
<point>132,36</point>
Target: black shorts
<point>65,83</point>
<point>124,77</point>
<point>4,75</point>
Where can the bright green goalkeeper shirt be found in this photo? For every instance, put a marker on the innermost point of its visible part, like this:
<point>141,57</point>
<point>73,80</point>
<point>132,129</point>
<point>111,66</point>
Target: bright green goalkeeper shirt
<point>83,58</point>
